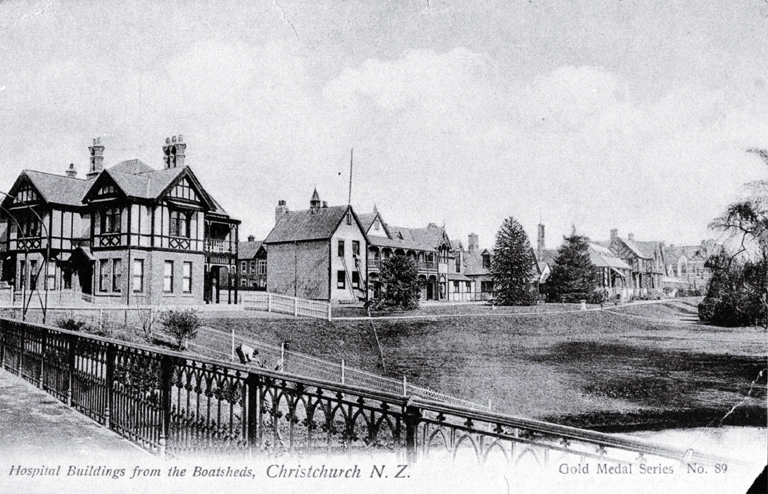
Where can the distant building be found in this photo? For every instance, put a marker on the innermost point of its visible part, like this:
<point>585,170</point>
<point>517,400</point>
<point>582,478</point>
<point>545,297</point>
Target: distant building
<point>129,234</point>
<point>428,247</point>
<point>685,265</point>
<point>645,259</point>
<point>317,253</point>
<point>252,265</point>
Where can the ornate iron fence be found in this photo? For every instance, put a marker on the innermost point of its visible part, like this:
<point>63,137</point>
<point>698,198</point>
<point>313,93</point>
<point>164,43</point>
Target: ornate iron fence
<point>174,404</point>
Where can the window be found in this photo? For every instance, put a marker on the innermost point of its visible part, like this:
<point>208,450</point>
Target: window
<point>168,277</point>
<point>110,221</point>
<point>455,287</point>
<point>32,275</point>
<point>243,267</point>
<point>26,194</point>
<point>376,225</point>
<point>117,272</point>
<point>355,248</point>
<point>243,282</point>
<point>30,227</point>
<point>486,261</point>
<point>103,275</point>
<point>355,279</point>
<point>253,267</point>
<point>138,275</point>
<point>179,224</point>
<point>349,218</point>
<point>486,286</point>
<point>340,280</point>
<point>458,263</point>
<point>262,266</point>
<point>107,190</point>
<point>340,249</point>
<point>183,190</point>
<point>468,287</point>
<point>186,277</point>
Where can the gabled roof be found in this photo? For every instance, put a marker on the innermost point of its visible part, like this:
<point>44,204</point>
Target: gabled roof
<point>474,262</point>
<point>301,226</point>
<point>132,167</point>
<point>137,180</point>
<point>248,250</point>
<point>604,258</point>
<point>55,189</point>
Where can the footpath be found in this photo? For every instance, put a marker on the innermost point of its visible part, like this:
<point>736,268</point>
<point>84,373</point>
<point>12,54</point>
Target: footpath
<point>34,426</point>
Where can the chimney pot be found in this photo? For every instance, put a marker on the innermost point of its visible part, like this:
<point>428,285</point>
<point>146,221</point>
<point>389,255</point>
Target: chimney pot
<point>180,139</point>
<point>251,238</point>
<point>325,204</point>
<point>71,172</point>
<point>631,237</point>
<point>167,140</point>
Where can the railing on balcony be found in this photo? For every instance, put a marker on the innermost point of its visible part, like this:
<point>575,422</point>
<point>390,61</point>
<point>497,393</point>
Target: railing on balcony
<point>179,404</point>
<point>427,265</point>
<point>219,246</point>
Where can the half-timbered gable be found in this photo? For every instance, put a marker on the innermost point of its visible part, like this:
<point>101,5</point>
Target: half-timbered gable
<point>128,234</point>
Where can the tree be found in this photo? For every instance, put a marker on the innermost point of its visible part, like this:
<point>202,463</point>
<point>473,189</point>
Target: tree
<point>737,294</point>
<point>182,324</point>
<point>400,285</point>
<point>573,277</point>
<point>513,266</point>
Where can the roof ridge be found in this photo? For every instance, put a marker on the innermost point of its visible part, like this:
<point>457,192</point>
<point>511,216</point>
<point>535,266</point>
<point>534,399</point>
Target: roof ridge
<point>55,175</point>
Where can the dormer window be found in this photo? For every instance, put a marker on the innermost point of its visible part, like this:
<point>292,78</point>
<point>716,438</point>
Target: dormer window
<point>110,221</point>
<point>486,261</point>
<point>179,224</point>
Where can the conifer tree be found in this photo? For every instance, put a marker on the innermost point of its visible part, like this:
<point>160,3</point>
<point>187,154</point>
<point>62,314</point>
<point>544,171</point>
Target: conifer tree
<point>513,266</point>
<point>573,275</point>
<point>400,285</point>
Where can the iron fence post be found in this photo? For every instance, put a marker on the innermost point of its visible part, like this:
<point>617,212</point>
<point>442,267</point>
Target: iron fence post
<point>2,344</point>
<point>166,370</point>
<point>411,418</point>
<point>20,366</point>
<point>254,413</point>
<point>110,378</point>
<point>43,345</point>
<point>72,340</point>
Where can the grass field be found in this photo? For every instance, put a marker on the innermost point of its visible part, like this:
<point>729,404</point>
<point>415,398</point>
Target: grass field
<point>636,367</point>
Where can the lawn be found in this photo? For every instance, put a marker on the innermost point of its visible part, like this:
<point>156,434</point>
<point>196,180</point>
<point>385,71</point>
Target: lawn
<point>633,367</point>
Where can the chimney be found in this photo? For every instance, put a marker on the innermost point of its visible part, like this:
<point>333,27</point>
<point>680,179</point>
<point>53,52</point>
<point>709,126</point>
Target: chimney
<point>614,234</point>
<point>71,172</point>
<point>280,210</point>
<point>174,152</point>
<point>97,158</point>
<point>631,237</point>
<point>473,243</point>
<point>251,238</point>
<point>540,240</point>
<point>314,203</point>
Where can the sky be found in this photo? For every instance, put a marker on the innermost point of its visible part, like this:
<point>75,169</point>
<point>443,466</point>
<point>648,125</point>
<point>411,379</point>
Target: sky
<point>635,115</point>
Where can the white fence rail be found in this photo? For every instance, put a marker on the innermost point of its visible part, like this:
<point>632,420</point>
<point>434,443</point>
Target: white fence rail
<point>272,302</point>
<point>280,359</point>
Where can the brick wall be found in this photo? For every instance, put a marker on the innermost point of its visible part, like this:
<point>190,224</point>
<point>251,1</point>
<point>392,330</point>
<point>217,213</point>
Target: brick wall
<point>303,265</point>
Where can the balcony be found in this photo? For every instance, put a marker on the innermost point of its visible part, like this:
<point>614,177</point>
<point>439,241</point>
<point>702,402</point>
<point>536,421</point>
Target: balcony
<point>219,246</point>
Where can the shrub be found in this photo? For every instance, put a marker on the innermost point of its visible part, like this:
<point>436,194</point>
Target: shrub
<point>598,297</point>
<point>72,325</point>
<point>182,324</point>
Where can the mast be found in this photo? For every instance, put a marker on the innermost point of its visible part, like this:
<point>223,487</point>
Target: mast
<point>351,157</point>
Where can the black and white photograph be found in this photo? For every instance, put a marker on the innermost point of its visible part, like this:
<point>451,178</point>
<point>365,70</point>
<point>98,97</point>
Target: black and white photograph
<point>410,246</point>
